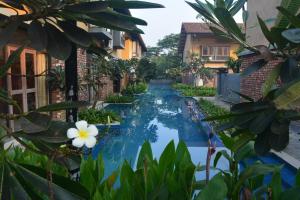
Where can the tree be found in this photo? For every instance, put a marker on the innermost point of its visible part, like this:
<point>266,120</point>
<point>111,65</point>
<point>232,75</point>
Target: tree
<point>146,70</point>
<point>165,54</point>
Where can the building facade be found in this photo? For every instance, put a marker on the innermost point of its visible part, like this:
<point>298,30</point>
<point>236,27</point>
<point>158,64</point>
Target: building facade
<point>197,40</point>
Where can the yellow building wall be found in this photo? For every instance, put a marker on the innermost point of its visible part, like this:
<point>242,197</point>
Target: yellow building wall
<point>193,46</point>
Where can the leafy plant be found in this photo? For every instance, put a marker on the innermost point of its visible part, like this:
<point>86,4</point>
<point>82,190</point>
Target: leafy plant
<point>132,89</point>
<point>192,91</point>
<point>94,116</point>
<point>56,78</point>
<point>234,64</point>
<point>269,117</point>
<point>119,99</point>
<point>50,26</point>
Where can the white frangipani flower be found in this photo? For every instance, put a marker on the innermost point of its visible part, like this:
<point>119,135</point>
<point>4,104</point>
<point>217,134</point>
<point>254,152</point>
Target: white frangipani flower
<point>84,134</point>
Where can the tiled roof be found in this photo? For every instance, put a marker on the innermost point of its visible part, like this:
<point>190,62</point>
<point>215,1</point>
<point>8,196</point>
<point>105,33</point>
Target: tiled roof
<point>195,28</point>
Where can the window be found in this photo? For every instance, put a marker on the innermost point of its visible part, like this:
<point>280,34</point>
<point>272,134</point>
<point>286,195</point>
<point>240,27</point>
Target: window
<point>215,53</point>
<point>205,51</point>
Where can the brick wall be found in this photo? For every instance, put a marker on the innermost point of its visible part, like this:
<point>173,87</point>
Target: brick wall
<point>252,85</point>
<point>106,87</point>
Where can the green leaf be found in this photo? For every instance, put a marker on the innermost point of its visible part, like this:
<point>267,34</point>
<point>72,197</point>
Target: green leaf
<point>63,182</point>
<point>219,155</point>
<point>237,7</point>
<point>271,80</point>
<point>289,70</point>
<point>288,95</point>
<point>58,45</point>
<point>5,98</point>
<point>297,178</point>
<point>41,183</point>
<point>245,151</point>
<point>37,35</point>
<point>88,7</point>
<point>35,122</point>
<point>203,11</point>
<point>8,31</point>
<point>265,30</point>
<point>76,34</point>
<point>292,35</point>
<point>218,184</point>
<point>254,67</point>
<point>62,106</point>
<point>145,153</point>
<point>243,96</point>
<point>253,171</point>
<point>294,20</point>
<point>276,185</point>
<point>167,158</point>
<point>229,23</point>
<point>291,194</point>
<point>10,61</point>
<point>292,6</point>
<point>133,4</point>
<point>262,145</point>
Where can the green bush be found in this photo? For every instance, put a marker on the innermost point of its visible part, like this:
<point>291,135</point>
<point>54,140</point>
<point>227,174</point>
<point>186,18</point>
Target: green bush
<point>210,109</point>
<point>119,99</point>
<point>191,91</point>
<point>139,88</point>
<point>93,116</point>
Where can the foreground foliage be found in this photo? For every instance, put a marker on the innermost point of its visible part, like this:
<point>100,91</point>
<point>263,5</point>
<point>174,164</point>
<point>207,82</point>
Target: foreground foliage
<point>172,176</point>
<point>51,26</point>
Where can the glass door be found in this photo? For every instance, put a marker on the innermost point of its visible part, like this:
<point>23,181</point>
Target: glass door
<point>21,82</point>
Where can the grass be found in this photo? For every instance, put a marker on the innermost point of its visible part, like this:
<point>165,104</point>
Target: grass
<point>192,91</point>
<point>94,116</point>
<point>119,99</point>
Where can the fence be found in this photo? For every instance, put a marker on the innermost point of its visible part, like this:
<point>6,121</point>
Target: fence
<point>227,84</point>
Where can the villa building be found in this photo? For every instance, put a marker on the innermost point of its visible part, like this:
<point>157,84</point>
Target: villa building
<point>197,40</point>
<point>26,81</point>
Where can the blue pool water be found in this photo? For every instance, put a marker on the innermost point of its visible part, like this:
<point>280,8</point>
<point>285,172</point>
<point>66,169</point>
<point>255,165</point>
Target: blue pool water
<point>159,116</point>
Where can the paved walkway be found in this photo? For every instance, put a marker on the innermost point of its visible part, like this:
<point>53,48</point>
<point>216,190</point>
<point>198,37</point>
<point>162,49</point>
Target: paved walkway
<point>292,153</point>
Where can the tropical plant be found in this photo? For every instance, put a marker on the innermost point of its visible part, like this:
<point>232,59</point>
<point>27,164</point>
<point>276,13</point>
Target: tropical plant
<point>94,116</point>
<point>56,78</point>
<point>234,64</point>
<point>50,26</point>
<point>119,99</point>
<point>269,117</point>
<point>146,70</point>
<point>192,91</point>
<point>133,89</point>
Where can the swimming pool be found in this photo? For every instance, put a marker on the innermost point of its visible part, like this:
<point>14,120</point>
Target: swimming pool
<point>159,116</point>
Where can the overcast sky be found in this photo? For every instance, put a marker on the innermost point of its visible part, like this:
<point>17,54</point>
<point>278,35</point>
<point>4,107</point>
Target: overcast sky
<point>164,21</point>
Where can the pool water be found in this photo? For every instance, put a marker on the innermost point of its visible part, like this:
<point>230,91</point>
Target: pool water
<point>160,116</point>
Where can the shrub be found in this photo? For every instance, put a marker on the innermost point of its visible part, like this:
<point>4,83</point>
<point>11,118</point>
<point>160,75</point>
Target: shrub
<point>93,116</point>
<point>188,90</point>
<point>135,89</point>
<point>119,99</point>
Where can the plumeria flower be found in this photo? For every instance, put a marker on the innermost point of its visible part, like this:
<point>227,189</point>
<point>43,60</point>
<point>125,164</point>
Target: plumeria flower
<point>84,134</point>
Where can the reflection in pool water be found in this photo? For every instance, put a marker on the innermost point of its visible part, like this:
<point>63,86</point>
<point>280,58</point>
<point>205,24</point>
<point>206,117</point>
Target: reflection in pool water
<point>159,116</point>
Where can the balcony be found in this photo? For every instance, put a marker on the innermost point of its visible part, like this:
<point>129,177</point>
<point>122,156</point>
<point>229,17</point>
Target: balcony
<point>118,40</point>
<point>103,35</point>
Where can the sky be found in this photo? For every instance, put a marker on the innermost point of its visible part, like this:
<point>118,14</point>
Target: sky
<point>164,21</point>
